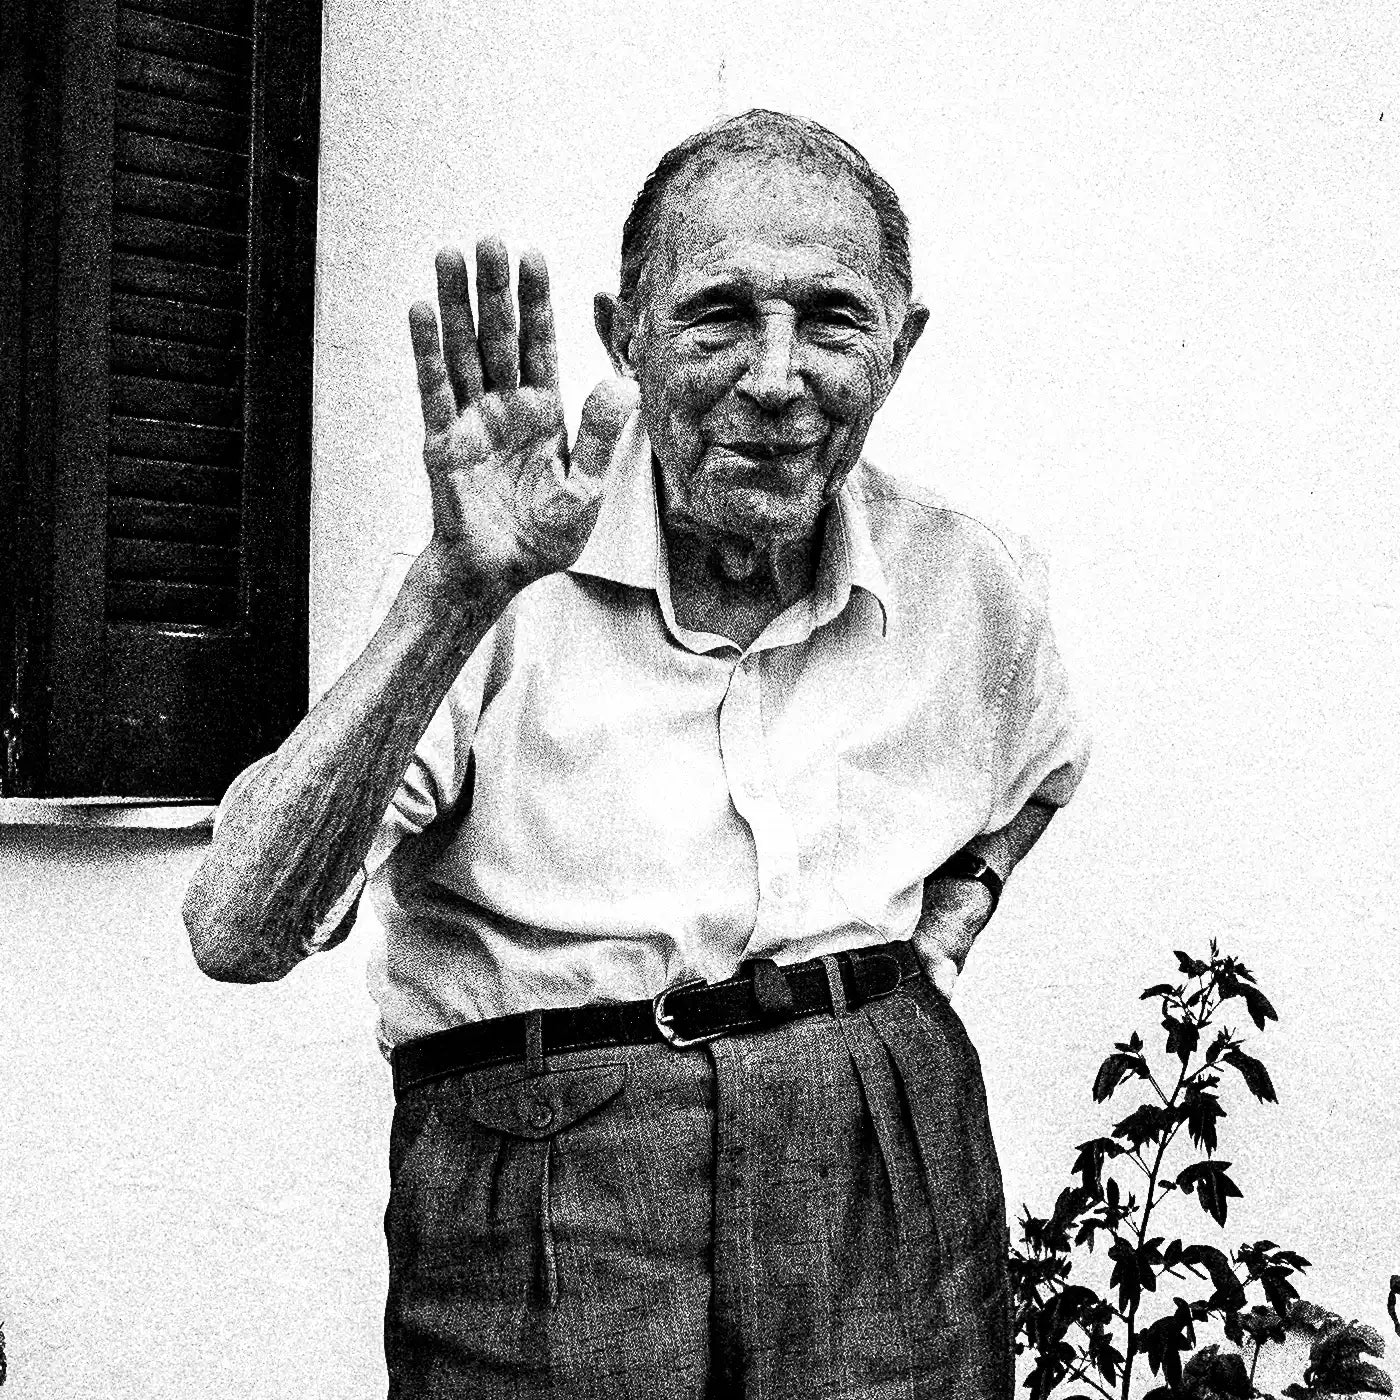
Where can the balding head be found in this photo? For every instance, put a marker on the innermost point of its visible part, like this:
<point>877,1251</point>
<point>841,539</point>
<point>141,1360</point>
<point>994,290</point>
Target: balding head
<point>756,138</point>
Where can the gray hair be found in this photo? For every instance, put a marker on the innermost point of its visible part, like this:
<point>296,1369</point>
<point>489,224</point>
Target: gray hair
<point>774,136</point>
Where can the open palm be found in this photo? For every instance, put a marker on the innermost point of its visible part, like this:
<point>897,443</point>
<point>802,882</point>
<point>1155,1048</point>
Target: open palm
<point>511,502</point>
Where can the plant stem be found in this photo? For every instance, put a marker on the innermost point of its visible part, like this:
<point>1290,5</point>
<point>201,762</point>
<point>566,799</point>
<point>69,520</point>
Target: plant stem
<point>1081,1374</point>
<point>1130,1349</point>
<point>1152,1079</point>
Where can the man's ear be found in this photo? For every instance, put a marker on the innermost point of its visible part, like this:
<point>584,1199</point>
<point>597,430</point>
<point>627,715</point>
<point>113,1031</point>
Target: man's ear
<point>915,319</point>
<point>616,329</point>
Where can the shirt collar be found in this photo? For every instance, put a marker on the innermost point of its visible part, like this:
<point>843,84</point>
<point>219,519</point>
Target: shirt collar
<point>625,546</point>
<point>848,557</point>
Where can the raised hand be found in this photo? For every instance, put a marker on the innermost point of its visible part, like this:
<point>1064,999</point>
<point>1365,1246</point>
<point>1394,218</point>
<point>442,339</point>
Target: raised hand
<point>511,502</point>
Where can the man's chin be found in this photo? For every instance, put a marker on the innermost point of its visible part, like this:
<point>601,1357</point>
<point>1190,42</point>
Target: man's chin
<point>758,514</point>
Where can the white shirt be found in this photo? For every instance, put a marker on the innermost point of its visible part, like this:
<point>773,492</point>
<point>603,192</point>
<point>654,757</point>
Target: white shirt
<point>650,804</point>
<point>607,803</point>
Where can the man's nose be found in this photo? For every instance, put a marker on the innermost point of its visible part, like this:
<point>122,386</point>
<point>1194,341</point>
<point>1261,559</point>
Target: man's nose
<point>772,379</point>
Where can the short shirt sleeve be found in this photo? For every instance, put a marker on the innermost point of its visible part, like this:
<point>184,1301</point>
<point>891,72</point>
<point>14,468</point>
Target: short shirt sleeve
<point>1041,746</point>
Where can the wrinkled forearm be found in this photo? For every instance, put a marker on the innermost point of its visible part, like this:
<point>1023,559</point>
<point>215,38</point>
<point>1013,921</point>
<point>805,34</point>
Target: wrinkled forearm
<point>295,836</point>
<point>1004,850</point>
<point>955,910</point>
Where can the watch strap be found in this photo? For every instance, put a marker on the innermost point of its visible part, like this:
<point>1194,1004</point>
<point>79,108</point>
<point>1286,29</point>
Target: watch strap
<point>968,865</point>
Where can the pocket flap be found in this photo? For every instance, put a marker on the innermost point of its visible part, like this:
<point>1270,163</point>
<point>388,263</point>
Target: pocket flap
<point>545,1104</point>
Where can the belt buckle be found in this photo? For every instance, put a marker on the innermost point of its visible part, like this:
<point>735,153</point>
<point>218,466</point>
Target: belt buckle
<point>663,1020</point>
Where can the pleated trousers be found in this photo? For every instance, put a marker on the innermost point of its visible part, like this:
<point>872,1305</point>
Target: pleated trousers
<point>813,1210</point>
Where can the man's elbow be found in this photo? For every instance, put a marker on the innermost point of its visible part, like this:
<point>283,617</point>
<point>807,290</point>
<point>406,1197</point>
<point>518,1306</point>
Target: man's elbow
<point>224,947</point>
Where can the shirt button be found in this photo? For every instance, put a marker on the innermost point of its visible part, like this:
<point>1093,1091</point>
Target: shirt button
<point>536,1111</point>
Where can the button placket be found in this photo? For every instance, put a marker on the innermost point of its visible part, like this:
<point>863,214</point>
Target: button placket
<point>752,790</point>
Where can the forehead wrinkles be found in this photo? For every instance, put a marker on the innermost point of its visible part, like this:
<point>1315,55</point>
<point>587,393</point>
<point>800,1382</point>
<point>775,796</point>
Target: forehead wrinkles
<point>757,202</point>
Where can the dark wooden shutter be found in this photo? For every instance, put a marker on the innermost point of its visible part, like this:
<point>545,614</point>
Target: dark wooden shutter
<point>165,330</point>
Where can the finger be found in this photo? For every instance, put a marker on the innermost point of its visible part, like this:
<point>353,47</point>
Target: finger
<point>539,362</point>
<point>458,327</point>
<point>497,341</point>
<point>439,404</point>
<point>605,411</point>
<point>938,967</point>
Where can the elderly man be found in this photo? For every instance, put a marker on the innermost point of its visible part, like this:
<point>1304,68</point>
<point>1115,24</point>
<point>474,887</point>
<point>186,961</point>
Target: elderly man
<point>675,754</point>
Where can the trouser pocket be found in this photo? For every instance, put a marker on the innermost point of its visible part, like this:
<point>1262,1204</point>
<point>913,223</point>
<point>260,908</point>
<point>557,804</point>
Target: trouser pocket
<point>528,1115</point>
<point>472,1171</point>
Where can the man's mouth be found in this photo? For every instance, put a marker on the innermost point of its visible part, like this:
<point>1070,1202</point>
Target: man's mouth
<point>764,451</point>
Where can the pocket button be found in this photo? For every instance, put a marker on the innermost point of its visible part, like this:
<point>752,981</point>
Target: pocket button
<point>536,1111</point>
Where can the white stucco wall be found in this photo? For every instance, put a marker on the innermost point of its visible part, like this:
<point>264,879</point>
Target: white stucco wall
<point>1159,247</point>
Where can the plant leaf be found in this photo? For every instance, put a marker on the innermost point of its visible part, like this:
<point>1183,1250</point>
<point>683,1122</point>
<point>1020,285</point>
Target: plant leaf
<point>1202,1110</point>
<point>1189,965</point>
<point>1229,1293</point>
<point>1355,1378</point>
<point>1255,1076</point>
<point>1212,1186</point>
<point>1114,1070</point>
<point>1221,1372</point>
<point>1182,1037</point>
<point>1261,1009</point>
<point>1125,1276</point>
<point>1146,1123</point>
<point>1088,1165</point>
<point>1262,1325</point>
<point>1303,1316</point>
<point>1165,1340</point>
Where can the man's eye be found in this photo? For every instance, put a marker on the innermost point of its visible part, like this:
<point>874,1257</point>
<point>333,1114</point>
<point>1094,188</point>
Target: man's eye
<point>833,321</point>
<point>716,316</point>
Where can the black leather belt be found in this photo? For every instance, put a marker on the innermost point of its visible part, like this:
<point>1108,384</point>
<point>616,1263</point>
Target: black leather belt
<point>759,995</point>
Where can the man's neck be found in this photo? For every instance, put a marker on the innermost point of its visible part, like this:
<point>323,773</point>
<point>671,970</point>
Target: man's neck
<point>733,587</point>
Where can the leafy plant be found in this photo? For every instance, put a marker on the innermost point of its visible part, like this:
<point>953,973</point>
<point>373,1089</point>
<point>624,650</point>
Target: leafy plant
<point>1092,1338</point>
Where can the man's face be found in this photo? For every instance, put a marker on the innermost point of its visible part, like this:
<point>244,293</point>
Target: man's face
<point>768,333</point>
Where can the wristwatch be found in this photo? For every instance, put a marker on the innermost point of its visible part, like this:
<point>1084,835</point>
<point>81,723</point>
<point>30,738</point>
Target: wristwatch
<point>968,865</point>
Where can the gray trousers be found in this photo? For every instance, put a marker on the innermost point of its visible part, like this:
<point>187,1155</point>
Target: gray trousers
<point>810,1211</point>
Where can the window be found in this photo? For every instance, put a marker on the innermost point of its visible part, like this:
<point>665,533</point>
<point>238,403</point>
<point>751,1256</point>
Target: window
<point>157,238</point>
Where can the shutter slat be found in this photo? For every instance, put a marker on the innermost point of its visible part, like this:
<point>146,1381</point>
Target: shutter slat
<point>176,320</point>
<point>178,39</point>
<point>139,151</point>
<point>134,517</point>
<point>168,116</point>
<point>202,604</point>
<point>175,401</point>
<point>177,199</point>
<point>166,238</point>
<point>235,16</point>
<point>178,359</point>
<point>213,286</point>
<point>173,481</point>
<point>171,561</point>
<point>176,442</point>
<point>177,77</point>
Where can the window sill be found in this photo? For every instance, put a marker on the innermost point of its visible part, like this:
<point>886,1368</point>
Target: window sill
<point>104,812</point>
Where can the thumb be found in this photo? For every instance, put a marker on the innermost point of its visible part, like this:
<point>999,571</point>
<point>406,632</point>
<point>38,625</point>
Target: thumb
<point>605,412</point>
<point>939,968</point>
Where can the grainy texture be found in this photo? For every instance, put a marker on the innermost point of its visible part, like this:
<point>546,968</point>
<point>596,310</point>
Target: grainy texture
<point>1089,189</point>
<point>155,453</point>
<point>550,1235</point>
